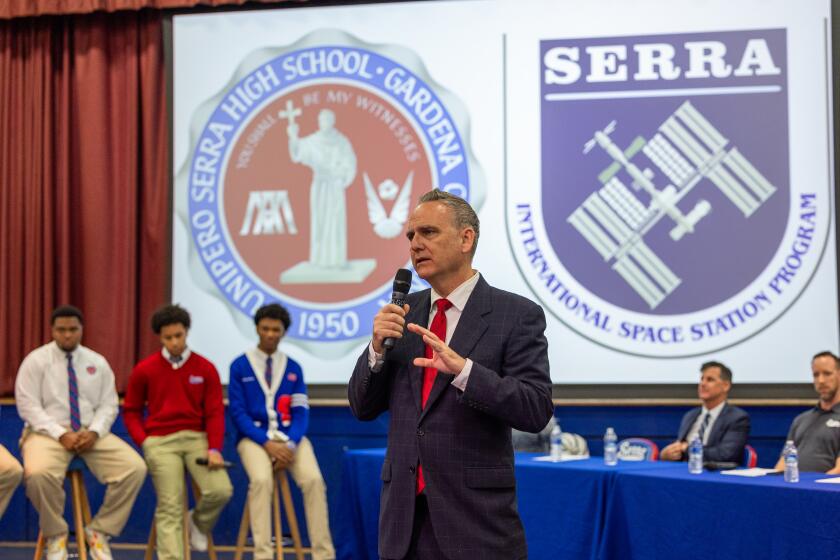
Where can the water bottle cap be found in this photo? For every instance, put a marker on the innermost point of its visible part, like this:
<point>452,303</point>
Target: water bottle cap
<point>610,430</point>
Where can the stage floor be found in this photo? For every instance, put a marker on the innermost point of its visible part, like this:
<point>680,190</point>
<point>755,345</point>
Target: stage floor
<point>24,551</point>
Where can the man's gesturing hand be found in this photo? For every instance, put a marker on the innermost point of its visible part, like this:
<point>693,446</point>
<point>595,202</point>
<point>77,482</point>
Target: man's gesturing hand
<point>443,359</point>
<point>388,323</point>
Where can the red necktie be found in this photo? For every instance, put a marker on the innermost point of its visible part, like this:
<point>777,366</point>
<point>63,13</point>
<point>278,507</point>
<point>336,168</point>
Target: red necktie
<point>439,329</point>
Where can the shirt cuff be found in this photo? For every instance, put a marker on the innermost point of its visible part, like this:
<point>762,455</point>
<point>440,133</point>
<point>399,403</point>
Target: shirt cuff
<point>291,445</point>
<point>372,355</point>
<point>460,381</point>
<point>98,428</point>
<point>56,431</point>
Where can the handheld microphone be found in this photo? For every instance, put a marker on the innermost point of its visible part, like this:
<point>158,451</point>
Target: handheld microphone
<point>402,285</point>
<point>204,462</point>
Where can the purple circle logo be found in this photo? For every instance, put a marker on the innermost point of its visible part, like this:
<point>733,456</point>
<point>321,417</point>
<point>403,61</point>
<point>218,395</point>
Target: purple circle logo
<point>666,223</point>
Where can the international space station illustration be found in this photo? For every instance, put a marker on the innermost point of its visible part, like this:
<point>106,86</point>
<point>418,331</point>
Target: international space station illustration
<point>686,148</point>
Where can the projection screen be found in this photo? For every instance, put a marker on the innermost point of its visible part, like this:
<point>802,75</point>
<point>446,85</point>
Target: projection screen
<point>657,174</point>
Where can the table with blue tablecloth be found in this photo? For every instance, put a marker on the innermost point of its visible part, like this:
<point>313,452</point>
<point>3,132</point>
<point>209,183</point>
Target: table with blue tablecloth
<point>562,505</point>
<point>584,509</point>
<point>673,514</point>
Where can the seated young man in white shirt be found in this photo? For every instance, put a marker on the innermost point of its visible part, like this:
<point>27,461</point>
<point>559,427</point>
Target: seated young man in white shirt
<point>65,394</point>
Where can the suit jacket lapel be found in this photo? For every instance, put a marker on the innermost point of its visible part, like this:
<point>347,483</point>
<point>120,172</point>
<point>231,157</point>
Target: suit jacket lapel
<point>714,433</point>
<point>690,422</point>
<point>471,327</point>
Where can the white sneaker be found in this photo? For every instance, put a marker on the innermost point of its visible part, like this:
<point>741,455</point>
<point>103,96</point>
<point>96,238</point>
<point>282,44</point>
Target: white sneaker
<point>57,547</point>
<point>98,544</point>
<point>198,540</point>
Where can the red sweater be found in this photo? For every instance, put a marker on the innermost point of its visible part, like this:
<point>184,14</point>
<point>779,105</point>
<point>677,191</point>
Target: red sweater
<point>187,398</point>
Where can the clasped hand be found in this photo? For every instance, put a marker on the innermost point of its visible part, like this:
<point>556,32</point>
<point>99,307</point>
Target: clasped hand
<point>78,442</point>
<point>673,451</point>
<point>280,453</point>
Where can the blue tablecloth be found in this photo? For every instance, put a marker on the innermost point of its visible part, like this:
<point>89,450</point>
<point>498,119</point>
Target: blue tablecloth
<point>673,514</point>
<point>562,505</point>
<point>357,529</point>
<point>583,509</point>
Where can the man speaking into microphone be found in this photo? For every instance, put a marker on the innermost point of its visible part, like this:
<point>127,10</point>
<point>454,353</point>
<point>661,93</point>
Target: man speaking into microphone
<point>469,363</point>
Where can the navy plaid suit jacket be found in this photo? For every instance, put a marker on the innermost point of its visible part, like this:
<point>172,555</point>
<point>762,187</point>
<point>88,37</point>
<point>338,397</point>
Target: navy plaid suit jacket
<point>461,439</point>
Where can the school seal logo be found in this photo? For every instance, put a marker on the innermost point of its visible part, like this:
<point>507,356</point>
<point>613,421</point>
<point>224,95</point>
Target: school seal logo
<point>304,170</point>
<point>666,223</point>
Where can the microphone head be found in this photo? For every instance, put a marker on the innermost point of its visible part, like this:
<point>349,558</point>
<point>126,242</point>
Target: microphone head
<point>402,281</point>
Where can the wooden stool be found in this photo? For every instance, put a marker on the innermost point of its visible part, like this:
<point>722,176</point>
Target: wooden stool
<point>211,548</point>
<point>81,508</point>
<point>283,482</point>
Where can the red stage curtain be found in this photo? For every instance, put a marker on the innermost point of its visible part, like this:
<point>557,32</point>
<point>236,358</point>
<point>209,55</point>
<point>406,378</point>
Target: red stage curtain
<point>84,187</point>
<point>25,8</point>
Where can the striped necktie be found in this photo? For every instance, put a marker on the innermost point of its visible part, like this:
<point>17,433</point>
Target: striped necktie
<point>703,426</point>
<point>268,372</point>
<point>73,385</point>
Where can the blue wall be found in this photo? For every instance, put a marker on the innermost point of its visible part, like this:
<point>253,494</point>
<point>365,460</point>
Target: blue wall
<point>333,430</point>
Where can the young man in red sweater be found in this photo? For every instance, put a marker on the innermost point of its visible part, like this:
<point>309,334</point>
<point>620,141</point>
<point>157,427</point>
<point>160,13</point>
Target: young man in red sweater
<point>185,421</point>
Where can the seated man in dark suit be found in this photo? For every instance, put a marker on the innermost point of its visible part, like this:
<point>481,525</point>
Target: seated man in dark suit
<point>722,428</point>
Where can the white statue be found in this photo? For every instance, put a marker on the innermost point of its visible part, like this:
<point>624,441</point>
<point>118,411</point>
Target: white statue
<point>332,159</point>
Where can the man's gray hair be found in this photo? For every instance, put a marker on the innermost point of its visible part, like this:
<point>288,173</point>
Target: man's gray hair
<point>465,216</point>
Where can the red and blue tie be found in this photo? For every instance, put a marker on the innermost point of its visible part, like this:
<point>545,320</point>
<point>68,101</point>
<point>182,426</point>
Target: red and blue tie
<point>73,385</point>
<point>268,372</point>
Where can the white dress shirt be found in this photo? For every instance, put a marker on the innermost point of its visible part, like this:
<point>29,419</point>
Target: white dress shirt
<point>176,364</point>
<point>458,298</point>
<point>695,428</point>
<point>42,393</point>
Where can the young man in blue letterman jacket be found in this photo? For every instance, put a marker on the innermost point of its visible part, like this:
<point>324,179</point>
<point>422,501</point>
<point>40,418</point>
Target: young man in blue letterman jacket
<point>270,410</point>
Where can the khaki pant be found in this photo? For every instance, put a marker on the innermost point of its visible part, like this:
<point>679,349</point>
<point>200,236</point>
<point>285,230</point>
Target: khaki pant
<point>167,457</point>
<point>111,460</point>
<point>10,474</point>
<point>306,474</point>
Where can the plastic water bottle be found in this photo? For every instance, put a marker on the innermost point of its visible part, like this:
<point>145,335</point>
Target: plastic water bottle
<point>695,456</point>
<point>610,448</point>
<point>791,463</point>
<point>556,443</point>
<point>788,445</point>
